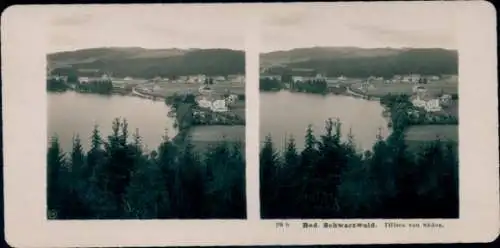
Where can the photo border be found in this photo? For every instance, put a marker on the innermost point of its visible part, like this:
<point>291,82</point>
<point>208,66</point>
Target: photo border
<point>25,125</point>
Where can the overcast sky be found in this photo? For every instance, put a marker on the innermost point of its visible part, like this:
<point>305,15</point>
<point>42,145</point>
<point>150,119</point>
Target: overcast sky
<point>153,26</point>
<point>360,25</point>
<point>282,27</point>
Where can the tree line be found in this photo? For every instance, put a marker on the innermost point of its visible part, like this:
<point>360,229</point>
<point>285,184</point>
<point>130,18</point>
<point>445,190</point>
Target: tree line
<point>98,86</point>
<point>315,86</point>
<point>211,62</point>
<point>270,84</point>
<point>330,179</point>
<point>56,85</point>
<point>117,179</point>
<point>421,61</point>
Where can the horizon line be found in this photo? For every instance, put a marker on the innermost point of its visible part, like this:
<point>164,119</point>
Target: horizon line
<point>144,48</point>
<point>358,47</point>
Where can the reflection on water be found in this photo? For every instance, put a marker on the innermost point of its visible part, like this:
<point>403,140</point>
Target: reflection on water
<point>284,113</point>
<point>73,113</point>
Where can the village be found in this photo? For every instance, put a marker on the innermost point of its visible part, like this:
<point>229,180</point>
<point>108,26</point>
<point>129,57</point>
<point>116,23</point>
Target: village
<point>218,102</point>
<point>431,108</point>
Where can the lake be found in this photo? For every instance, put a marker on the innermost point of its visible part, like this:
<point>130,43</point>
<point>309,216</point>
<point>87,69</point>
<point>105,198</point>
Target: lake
<point>71,113</point>
<point>285,113</point>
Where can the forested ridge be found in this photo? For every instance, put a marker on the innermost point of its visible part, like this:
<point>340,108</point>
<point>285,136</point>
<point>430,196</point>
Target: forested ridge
<point>421,61</point>
<point>146,63</point>
<point>116,179</point>
<point>330,179</point>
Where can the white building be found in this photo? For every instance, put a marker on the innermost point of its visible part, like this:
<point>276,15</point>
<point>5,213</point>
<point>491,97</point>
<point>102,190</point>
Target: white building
<point>219,106</point>
<point>192,79</point>
<point>105,77</point>
<point>83,80</point>
<point>272,77</point>
<point>204,103</point>
<point>433,78</point>
<point>201,78</point>
<point>219,79</point>
<point>231,99</point>
<point>406,79</point>
<point>433,105</point>
<point>320,77</point>
<point>419,103</point>
<point>445,99</point>
<point>414,78</point>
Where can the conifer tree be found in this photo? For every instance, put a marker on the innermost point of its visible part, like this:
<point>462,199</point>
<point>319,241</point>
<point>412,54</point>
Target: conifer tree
<point>146,195</point>
<point>191,183</point>
<point>288,180</point>
<point>291,154</point>
<point>217,166</point>
<point>55,167</point>
<point>94,156</point>
<point>166,160</point>
<point>77,159</point>
<point>237,205</point>
<point>268,167</point>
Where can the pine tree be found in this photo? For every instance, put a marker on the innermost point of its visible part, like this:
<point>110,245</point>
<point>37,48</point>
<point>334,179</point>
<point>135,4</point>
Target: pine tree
<point>429,162</point>
<point>237,187</point>
<point>291,154</point>
<point>288,180</point>
<point>55,167</point>
<point>166,160</point>
<point>400,175</point>
<point>268,166</point>
<point>310,152</point>
<point>77,159</point>
<point>217,163</point>
<point>74,205</point>
<point>118,165</point>
<point>377,175</point>
<point>190,187</point>
<point>94,156</point>
<point>448,183</point>
<point>92,192</point>
<point>124,134</point>
<point>146,196</point>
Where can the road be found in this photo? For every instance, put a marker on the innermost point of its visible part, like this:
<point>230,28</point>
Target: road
<point>349,91</point>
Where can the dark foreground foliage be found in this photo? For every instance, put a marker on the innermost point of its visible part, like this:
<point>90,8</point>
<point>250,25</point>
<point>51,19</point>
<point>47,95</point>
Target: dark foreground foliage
<point>330,179</point>
<point>115,179</point>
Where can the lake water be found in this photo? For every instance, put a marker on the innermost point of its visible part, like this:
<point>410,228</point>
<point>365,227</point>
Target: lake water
<point>285,113</point>
<point>73,113</point>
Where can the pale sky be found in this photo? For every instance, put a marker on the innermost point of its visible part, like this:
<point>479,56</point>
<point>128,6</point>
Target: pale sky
<point>359,25</point>
<point>147,26</point>
<point>282,26</point>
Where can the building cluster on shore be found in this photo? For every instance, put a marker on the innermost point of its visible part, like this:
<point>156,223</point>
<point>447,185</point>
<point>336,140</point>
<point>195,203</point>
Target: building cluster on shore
<point>188,79</point>
<point>201,79</point>
<point>421,99</point>
<point>206,100</point>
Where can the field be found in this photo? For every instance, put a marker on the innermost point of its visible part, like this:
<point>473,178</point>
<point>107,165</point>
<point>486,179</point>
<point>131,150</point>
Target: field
<point>448,86</point>
<point>168,89</point>
<point>205,136</point>
<point>415,136</point>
